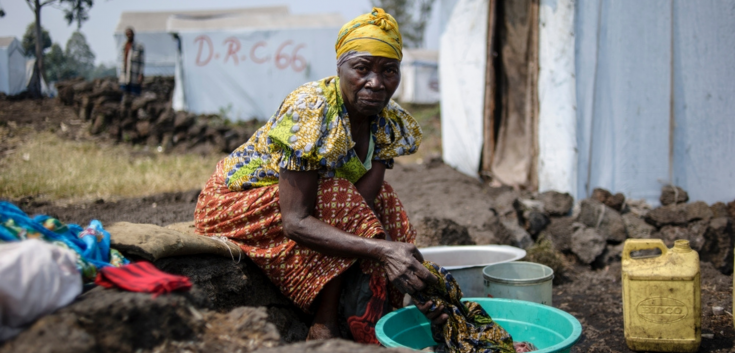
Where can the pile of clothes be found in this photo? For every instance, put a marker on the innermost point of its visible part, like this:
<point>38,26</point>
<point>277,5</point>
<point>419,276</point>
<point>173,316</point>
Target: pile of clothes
<point>45,264</point>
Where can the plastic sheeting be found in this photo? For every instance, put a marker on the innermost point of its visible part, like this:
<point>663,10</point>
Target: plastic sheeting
<point>419,77</point>
<point>28,75</point>
<point>37,278</point>
<point>12,67</point>
<point>704,99</point>
<point>557,121</point>
<point>635,61</point>
<point>161,48</point>
<point>462,75</point>
<point>247,73</point>
<point>160,52</point>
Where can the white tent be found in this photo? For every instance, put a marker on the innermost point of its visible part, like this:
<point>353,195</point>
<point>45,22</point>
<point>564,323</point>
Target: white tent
<point>630,96</point>
<point>12,66</point>
<point>419,77</point>
<point>29,68</point>
<point>462,75</point>
<point>161,46</point>
<point>245,65</point>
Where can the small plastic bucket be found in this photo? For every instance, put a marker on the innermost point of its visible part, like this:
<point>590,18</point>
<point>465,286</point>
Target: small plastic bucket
<point>519,280</point>
<point>465,262</point>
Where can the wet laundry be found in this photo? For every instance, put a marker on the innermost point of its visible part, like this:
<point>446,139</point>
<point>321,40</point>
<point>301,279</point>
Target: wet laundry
<point>469,328</point>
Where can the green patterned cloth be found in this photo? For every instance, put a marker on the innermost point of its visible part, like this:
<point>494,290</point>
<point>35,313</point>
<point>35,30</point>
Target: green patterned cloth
<point>469,328</point>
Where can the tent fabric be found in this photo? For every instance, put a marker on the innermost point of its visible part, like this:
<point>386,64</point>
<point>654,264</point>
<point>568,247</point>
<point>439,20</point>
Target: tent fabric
<point>157,21</point>
<point>643,100</point>
<point>28,75</point>
<point>245,73</point>
<point>12,66</point>
<point>257,20</point>
<point>462,75</point>
<point>161,48</point>
<point>160,52</point>
<point>557,121</point>
<point>679,84</point>
<point>419,77</point>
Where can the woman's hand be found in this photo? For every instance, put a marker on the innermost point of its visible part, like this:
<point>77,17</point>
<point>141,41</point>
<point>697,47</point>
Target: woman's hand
<point>437,317</point>
<point>402,262</point>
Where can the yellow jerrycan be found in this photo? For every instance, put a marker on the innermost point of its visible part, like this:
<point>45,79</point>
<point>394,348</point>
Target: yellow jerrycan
<point>661,297</point>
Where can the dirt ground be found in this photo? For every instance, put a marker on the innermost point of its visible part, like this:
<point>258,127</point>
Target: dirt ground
<point>592,296</point>
<point>428,190</point>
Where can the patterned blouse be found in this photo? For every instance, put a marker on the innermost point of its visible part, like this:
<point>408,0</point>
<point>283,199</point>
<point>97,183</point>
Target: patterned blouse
<point>311,131</point>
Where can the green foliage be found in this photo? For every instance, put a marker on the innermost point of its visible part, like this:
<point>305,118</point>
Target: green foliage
<point>411,15</point>
<point>74,61</point>
<point>101,71</point>
<point>29,40</point>
<point>77,10</point>
<point>225,112</point>
<point>78,53</point>
<point>543,252</point>
<point>55,64</point>
<point>74,10</point>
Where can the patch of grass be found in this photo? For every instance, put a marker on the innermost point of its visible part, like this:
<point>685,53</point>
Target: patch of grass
<point>429,117</point>
<point>49,168</point>
<point>543,252</point>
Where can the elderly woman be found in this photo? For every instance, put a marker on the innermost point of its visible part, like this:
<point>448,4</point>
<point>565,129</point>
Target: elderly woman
<point>305,198</point>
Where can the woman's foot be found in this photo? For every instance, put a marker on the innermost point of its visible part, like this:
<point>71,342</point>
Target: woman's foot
<point>323,332</point>
<point>325,320</point>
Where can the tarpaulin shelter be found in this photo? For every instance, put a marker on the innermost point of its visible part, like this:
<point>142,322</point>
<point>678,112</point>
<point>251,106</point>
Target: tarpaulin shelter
<point>244,65</point>
<point>419,77</point>
<point>572,95</point>
<point>12,66</point>
<point>160,46</point>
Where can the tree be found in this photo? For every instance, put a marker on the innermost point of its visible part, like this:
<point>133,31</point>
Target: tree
<point>101,71</point>
<point>56,64</point>
<point>78,54</point>
<point>412,26</point>
<point>29,40</point>
<point>77,11</point>
<point>74,10</point>
<point>77,60</point>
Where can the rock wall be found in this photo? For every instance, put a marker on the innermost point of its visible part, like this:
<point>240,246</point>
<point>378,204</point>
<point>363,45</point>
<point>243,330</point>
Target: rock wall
<point>149,119</point>
<point>593,231</point>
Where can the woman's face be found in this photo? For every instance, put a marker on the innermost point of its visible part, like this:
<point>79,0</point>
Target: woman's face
<point>368,83</point>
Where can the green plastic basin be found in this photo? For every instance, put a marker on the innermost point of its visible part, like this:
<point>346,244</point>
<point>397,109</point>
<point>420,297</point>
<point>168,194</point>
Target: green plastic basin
<point>548,328</point>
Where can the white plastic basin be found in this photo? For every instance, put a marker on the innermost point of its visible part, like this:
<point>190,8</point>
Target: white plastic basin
<point>465,262</point>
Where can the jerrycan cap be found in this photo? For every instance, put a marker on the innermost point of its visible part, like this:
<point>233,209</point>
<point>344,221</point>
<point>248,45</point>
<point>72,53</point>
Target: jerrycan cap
<point>681,246</point>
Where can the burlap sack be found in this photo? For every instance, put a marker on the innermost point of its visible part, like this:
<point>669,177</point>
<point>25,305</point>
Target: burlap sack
<point>152,242</point>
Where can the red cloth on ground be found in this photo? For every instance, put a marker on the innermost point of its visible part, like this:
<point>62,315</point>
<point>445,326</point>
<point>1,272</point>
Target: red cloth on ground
<point>141,277</point>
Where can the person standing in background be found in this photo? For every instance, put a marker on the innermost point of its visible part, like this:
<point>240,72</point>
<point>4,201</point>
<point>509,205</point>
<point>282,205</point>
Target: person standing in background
<point>131,67</point>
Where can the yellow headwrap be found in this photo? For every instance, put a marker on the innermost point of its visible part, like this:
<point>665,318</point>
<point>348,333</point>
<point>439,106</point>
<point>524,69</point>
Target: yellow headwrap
<point>375,33</point>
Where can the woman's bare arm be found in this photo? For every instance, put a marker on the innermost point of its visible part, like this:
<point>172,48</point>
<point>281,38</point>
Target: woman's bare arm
<point>298,194</point>
<point>370,184</point>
